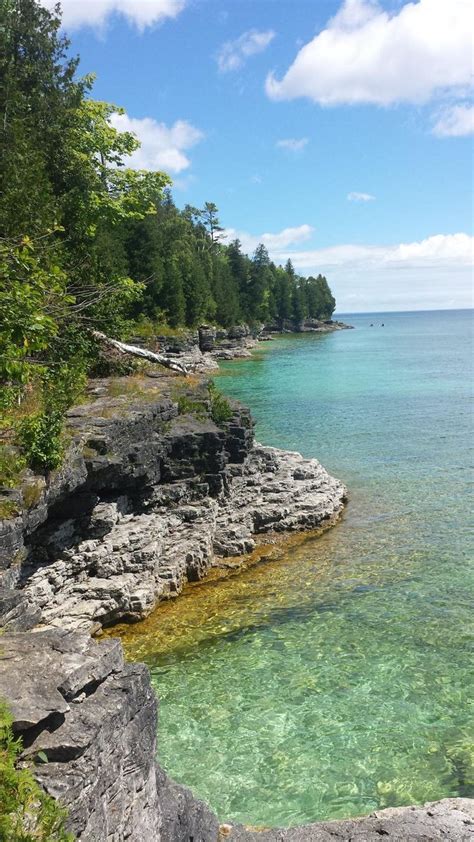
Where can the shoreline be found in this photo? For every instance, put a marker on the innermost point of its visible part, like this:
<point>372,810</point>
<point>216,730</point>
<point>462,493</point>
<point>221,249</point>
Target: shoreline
<point>152,494</point>
<point>201,349</point>
<point>73,699</point>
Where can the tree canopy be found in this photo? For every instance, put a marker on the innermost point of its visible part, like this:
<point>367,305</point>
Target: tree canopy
<point>87,243</point>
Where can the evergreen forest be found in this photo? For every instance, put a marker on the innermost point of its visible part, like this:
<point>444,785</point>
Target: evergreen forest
<point>87,243</point>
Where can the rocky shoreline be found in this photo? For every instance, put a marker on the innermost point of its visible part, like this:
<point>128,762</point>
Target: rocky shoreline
<point>94,718</point>
<point>152,494</point>
<point>149,497</point>
<point>201,349</point>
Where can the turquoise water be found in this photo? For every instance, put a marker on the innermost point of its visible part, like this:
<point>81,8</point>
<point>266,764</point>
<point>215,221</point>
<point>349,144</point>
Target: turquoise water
<point>337,679</point>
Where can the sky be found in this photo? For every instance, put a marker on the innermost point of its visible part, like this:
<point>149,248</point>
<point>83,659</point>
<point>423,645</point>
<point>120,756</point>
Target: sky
<point>339,133</point>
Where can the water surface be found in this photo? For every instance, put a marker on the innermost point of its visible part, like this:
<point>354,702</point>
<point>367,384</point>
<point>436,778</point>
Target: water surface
<point>337,679</point>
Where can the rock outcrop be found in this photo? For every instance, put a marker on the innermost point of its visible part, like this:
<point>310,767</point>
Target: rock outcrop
<point>88,724</point>
<point>75,703</point>
<point>147,500</point>
<point>200,349</point>
<point>305,326</point>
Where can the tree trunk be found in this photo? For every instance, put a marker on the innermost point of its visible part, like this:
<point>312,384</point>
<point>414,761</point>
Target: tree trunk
<point>140,352</point>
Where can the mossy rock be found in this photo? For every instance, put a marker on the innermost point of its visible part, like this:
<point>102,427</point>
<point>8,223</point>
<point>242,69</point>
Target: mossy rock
<point>32,490</point>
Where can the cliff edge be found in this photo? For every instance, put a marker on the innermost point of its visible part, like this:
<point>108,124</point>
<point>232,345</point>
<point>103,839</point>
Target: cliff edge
<point>152,493</point>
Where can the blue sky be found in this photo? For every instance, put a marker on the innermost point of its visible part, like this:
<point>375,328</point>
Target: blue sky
<point>341,131</point>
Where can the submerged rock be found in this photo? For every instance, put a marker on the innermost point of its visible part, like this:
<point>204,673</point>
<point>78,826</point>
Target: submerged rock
<point>146,500</point>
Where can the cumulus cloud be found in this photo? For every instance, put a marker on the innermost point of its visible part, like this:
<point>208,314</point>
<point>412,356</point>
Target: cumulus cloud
<point>360,197</point>
<point>274,242</point>
<point>455,121</point>
<point>446,249</point>
<point>162,147</point>
<point>368,55</point>
<point>293,144</point>
<point>234,54</point>
<point>433,273</point>
<point>95,13</point>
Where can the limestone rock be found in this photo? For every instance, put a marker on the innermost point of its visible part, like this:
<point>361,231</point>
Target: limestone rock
<point>449,819</point>
<point>150,500</point>
<point>95,720</point>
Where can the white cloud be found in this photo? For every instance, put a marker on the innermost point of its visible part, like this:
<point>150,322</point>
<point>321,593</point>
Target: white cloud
<point>360,197</point>
<point>233,54</point>
<point>434,273</point>
<point>162,147</point>
<point>94,13</point>
<point>456,121</point>
<point>274,242</point>
<point>293,144</point>
<point>447,249</point>
<point>367,55</point>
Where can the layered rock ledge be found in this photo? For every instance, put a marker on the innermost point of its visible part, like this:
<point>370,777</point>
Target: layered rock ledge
<point>148,499</point>
<point>94,720</point>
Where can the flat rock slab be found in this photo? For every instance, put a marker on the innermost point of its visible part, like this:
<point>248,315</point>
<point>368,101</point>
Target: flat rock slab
<point>41,673</point>
<point>449,819</point>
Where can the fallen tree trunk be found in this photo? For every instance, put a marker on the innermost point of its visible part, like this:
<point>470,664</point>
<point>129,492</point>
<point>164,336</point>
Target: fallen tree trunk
<point>140,352</point>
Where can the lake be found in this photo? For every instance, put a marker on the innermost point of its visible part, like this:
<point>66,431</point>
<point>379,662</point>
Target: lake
<point>338,679</point>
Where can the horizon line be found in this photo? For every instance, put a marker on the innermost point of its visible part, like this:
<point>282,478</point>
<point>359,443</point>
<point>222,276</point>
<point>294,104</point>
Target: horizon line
<point>428,310</point>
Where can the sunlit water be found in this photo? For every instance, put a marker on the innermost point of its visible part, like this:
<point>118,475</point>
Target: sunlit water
<point>337,679</point>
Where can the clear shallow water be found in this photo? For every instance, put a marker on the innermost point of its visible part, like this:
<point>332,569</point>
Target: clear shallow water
<point>338,679</point>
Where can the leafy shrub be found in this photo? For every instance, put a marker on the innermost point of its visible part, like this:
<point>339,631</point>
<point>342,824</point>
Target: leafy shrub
<point>40,438</point>
<point>34,287</point>
<point>27,813</point>
<point>221,409</point>
<point>40,434</point>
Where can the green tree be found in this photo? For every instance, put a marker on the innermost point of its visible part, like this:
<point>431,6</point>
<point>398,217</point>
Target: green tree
<point>210,220</point>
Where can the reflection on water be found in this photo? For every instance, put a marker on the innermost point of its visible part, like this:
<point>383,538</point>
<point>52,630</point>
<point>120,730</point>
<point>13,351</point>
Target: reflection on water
<point>335,679</point>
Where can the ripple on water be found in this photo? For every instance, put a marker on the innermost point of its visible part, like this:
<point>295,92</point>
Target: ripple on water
<point>337,679</point>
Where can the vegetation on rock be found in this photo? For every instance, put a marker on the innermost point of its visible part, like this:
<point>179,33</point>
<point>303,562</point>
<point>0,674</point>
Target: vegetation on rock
<point>27,813</point>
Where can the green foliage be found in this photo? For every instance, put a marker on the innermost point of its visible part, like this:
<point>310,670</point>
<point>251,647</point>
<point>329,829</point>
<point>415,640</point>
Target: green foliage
<point>32,300</point>
<point>40,437</point>
<point>12,463</point>
<point>27,813</point>
<point>188,406</point>
<point>65,199</point>
<point>221,410</point>
<point>190,277</point>
<point>89,243</point>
